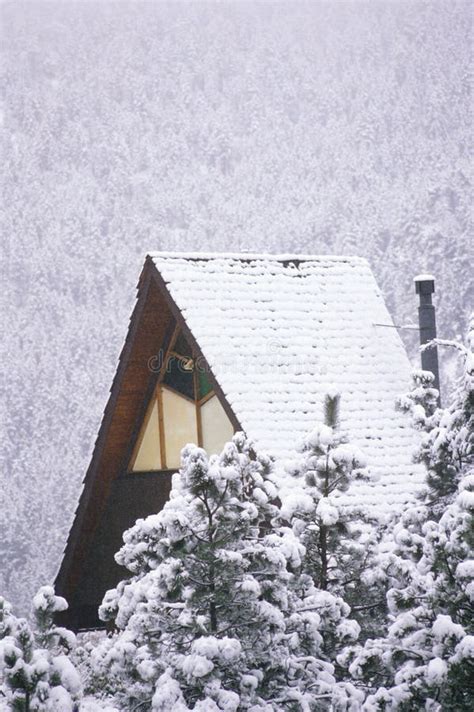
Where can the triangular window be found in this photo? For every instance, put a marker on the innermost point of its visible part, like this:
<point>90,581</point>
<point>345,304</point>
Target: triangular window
<point>184,409</point>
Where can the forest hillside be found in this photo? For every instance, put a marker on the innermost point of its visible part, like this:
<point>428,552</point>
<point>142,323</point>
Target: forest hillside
<point>340,128</point>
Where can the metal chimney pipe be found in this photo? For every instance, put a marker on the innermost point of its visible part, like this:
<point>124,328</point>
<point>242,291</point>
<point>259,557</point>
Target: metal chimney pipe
<point>425,286</point>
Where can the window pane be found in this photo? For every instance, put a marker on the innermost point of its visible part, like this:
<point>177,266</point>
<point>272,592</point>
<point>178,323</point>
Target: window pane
<point>216,426</point>
<point>179,417</point>
<point>182,347</point>
<point>205,386</point>
<point>179,376</point>
<point>149,456</point>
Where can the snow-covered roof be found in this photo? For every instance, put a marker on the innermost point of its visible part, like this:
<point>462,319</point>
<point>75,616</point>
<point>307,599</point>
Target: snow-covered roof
<point>278,331</point>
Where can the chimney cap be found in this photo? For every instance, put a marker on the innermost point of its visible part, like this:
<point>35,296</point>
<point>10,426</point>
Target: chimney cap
<point>424,283</point>
<point>424,278</point>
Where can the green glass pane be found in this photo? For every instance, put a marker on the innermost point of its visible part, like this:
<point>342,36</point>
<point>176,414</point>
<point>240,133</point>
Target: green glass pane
<point>205,385</point>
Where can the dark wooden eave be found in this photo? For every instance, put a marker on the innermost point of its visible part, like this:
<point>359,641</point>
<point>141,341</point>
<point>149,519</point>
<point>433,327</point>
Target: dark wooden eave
<point>112,499</point>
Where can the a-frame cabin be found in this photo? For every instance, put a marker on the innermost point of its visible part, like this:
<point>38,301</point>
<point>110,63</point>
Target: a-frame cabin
<point>220,343</point>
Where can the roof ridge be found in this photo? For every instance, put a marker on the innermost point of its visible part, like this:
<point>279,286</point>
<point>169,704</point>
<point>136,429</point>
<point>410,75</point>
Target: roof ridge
<point>249,256</point>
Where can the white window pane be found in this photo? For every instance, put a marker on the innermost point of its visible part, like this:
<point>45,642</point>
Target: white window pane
<point>216,426</point>
<point>149,456</point>
<point>179,415</point>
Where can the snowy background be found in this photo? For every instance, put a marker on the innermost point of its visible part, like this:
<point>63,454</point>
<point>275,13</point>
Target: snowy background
<point>340,127</point>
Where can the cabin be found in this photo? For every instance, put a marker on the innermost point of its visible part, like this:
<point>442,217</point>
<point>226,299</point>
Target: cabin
<point>219,343</point>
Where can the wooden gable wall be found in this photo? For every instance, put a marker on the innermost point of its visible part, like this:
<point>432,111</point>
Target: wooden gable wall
<point>113,498</point>
<point>108,505</point>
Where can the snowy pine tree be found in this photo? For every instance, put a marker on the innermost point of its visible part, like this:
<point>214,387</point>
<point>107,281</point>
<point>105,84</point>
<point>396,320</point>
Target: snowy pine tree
<point>426,659</point>
<point>340,543</point>
<point>447,441</point>
<point>213,617</point>
<point>36,674</point>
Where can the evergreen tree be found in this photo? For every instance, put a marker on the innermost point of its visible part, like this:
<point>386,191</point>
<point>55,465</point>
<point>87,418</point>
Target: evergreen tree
<point>426,659</point>
<point>447,442</point>
<point>214,617</point>
<point>340,542</point>
<point>36,674</point>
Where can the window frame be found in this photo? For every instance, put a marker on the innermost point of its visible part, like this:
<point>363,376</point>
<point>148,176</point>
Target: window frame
<point>157,397</point>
